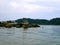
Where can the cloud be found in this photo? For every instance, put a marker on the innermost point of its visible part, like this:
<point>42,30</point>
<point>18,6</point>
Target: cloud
<point>1,1</point>
<point>48,0</point>
<point>29,0</point>
<point>14,4</point>
<point>41,0</point>
<point>23,6</point>
<point>29,8</point>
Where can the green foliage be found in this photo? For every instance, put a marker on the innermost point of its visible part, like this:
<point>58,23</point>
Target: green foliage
<point>55,21</point>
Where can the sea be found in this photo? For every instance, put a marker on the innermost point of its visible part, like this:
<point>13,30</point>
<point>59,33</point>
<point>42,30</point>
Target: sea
<point>43,35</point>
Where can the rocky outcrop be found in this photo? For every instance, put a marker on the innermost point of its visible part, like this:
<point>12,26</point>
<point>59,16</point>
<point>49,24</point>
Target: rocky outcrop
<point>24,24</point>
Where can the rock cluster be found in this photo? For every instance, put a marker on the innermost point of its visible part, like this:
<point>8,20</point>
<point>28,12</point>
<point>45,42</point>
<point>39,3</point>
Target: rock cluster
<point>24,24</point>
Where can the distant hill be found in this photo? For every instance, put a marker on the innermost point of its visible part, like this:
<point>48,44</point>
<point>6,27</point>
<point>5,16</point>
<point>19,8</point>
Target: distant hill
<point>55,21</point>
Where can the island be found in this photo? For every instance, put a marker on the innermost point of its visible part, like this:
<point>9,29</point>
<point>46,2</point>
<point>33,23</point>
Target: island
<point>28,22</point>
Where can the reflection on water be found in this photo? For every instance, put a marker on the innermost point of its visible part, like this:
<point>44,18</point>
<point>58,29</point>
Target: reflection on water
<point>25,29</point>
<point>44,35</point>
<point>24,37</point>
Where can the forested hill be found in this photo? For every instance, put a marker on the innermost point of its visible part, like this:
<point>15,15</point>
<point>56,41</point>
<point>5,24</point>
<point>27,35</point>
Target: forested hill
<point>55,21</point>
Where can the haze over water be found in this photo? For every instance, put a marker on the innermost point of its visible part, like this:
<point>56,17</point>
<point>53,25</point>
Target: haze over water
<point>44,35</point>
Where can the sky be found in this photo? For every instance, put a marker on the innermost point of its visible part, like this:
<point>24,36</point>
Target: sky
<point>36,9</point>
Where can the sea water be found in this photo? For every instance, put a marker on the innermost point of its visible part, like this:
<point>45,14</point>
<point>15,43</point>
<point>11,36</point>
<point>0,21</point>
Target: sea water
<point>43,35</point>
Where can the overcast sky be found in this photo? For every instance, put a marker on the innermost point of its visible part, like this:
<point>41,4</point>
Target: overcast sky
<point>36,9</point>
